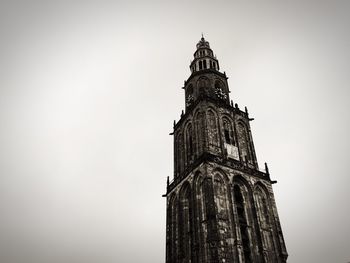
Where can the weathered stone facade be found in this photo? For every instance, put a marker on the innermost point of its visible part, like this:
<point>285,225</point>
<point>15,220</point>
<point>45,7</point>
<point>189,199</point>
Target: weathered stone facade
<point>220,206</point>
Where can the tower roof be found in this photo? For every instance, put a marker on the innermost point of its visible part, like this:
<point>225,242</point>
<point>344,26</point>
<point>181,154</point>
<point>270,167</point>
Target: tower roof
<point>204,57</point>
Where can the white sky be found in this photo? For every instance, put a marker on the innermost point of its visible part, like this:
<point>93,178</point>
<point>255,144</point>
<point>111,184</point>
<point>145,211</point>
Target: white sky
<point>88,95</point>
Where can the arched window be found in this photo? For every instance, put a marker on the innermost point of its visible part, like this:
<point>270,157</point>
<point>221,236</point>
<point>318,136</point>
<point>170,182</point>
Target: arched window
<point>212,129</point>
<point>203,85</point>
<point>222,209</point>
<point>244,144</point>
<point>200,127</point>
<point>264,221</point>
<point>185,239</point>
<point>228,131</point>
<point>189,143</point>
<point>220,197</point>
<point>205,63</point>
<point>200,65</point>
<point>242,221</point>
<point>199,217</point>
<point>180,153</point>
<point>172,230</point>
<point>209,221</point>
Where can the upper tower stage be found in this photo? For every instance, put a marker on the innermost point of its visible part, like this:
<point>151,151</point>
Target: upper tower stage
<point>206,80</point>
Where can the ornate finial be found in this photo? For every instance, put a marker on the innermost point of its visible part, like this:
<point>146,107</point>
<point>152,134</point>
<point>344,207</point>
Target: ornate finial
<point>246,110</point>
<point>182,113</point>
<point>174,123</point>
<point>202,43</point>
<point>267,169</point>
<point>167,181</point>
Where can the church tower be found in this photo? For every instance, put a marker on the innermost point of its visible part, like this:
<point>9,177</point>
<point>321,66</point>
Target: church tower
<point>220,206</point>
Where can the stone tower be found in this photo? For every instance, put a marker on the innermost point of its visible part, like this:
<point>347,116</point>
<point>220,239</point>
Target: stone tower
<point>220,206</point>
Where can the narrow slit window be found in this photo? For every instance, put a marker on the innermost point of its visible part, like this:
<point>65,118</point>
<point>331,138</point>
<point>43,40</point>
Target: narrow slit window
<point>227,136</point>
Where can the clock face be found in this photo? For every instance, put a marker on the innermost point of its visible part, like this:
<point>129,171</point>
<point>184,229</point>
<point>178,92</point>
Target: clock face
<point>220,93</point>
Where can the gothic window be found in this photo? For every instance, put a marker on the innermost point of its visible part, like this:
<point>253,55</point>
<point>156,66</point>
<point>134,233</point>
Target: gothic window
<point>242,222</point>
<point>227,135</point>
<point>185,224</point>
<point>243,141</point>
<point>212,129</point>
<point>264,220</point>
<point>180,156</point>
<point>203,85</point>
<point>203,82</point>
<point>220,197</point>
<point>200,222</point>
<point>172,230</point>
<point>200,127</point>
<point>228,131</point>
<point>189,143</point>
<point>221,201</point>
<point>209,220</point>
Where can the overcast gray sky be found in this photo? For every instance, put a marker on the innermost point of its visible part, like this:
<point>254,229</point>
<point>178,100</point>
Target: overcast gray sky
<point>88,94</point>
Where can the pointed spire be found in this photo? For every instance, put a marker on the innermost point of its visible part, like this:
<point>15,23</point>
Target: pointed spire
<point>267,169</point>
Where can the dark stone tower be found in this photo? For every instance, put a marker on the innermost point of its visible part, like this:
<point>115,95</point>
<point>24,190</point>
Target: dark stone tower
<point>220,206</point>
